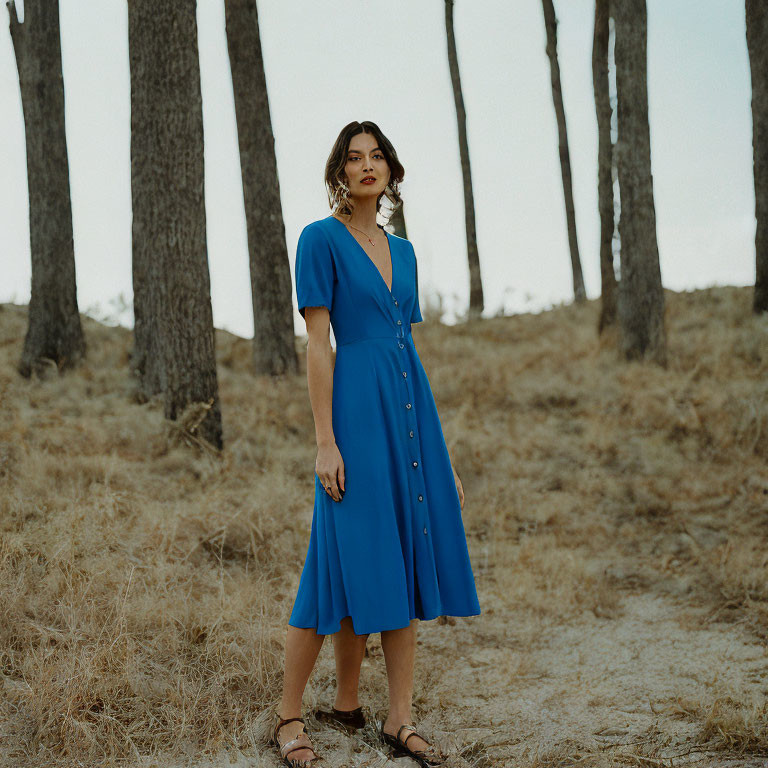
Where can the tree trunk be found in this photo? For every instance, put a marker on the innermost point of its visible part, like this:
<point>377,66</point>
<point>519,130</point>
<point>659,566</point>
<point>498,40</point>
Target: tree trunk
<point>757,44</point>
<point>600,84</point>
<point>274,350</point>
<point>641,296</point>
<point>476,302</point>
<point>550,23</point>
<point>54,333</point>
<point>175,343</point>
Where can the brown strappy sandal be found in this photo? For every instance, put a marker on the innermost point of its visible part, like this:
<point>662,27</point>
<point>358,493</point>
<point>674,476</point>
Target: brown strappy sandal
<point>426,757</point>
<point>342,719</point>
<point>299,742</point>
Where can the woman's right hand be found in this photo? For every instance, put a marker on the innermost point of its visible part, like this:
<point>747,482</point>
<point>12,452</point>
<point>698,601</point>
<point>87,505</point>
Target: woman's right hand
<point>329,467</point>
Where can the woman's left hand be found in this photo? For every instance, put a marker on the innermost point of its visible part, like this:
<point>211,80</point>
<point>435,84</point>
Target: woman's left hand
<point>459,487</point>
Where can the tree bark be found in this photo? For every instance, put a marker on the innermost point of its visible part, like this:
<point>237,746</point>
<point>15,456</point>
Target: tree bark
<point>641,296</point>
<point>550,23</point>
<point>54,332</point>
<point>600,84</point>
<point>757,44</point>
<point>174,338</point>
<point>476,301</point>
<point>274,350</point>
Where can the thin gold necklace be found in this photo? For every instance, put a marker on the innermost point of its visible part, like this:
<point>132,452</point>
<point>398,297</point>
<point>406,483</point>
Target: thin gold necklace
<point>360,230</point>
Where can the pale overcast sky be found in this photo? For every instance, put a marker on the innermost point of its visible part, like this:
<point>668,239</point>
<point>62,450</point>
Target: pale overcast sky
<point>333,61</point>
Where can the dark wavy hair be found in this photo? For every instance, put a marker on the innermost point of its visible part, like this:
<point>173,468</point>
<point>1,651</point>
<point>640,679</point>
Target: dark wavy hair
<point>335,177</point>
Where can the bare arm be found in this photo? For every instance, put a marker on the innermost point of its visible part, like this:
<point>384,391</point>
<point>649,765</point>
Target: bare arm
<point>329,465</point>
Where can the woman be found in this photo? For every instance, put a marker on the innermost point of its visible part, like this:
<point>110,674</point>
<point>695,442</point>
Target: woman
<point>387,545</point>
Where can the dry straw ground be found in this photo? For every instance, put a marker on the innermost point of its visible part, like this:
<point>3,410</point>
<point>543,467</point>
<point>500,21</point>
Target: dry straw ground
<point>617,518</point>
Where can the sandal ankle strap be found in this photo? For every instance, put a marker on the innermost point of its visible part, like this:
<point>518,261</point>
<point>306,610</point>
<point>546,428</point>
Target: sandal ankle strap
<point>289,720</point>
<point>285,721</point>
<point>411,727</point>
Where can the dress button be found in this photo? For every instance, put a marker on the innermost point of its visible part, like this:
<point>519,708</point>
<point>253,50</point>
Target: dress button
<point>421,498</point>
<point>415,463</point>
<point>410,434</point>
<point>408,406</point>
<point>405,375</point>
<point>425,531</point>
<point>400,344</point>
<point>395,302</point>
<point>399,322</point>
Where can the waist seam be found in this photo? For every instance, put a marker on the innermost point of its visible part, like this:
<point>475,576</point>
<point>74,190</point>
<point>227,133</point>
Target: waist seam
<point>371,338</point>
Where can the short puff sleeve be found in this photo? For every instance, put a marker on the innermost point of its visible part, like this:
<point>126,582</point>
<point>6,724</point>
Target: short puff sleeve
<point>416,312</point>
<point>315,270</point>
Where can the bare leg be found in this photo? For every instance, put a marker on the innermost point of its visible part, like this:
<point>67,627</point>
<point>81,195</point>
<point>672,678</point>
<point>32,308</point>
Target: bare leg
<point>302,647</point>
<point>349,650</point>
<point>399,646</point>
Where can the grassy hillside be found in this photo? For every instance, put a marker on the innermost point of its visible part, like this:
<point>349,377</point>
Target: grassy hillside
<point>617,518</point>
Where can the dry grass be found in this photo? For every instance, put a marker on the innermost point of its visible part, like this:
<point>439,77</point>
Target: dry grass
<point>616,516</point>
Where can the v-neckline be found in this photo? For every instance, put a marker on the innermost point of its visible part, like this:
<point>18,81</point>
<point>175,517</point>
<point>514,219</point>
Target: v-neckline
<point>372,262</point>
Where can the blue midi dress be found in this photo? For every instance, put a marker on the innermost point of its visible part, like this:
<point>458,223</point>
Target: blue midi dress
<point>394,548</point>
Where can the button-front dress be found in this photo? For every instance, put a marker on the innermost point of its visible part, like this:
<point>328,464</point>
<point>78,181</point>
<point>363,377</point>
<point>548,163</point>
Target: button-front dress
<point>394,548</point>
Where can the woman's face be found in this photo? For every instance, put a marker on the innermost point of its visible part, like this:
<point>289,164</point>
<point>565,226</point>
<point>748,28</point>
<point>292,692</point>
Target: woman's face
<point>365,159</point>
